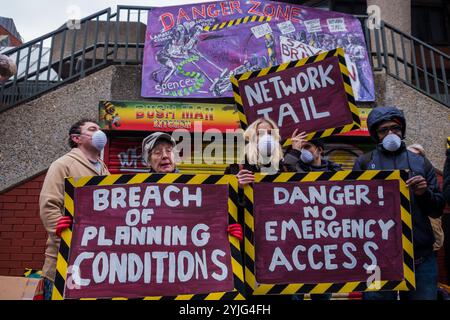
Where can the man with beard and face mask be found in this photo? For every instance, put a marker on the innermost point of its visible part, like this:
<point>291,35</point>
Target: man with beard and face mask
<point>87,142</point>
<point>387,126</point>
<point>307,156</point>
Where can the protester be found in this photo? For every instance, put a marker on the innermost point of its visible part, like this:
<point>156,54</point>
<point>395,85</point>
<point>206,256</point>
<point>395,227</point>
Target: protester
<point>263,152</point>
<point>446,222</point>
<point>387,126</point>
<point>308,156</point>
<point>436,223</point>
<point>447,177</point>
<point>87,141</point>
<point>158,153</point>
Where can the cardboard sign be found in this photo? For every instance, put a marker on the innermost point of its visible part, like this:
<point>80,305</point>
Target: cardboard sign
<point>312,95</point>
<point>192,50</point>
<point>149,236</point>
<point>15,288</point>
<point>330,232</point>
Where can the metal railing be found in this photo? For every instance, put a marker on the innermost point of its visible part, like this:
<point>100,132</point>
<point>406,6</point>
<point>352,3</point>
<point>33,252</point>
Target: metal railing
<point>56,58</point>
<point>106,38</point>
<point>409,60</point>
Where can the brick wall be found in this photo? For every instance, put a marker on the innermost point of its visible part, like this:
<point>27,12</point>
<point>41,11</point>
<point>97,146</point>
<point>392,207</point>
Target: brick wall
<point>22,236</point>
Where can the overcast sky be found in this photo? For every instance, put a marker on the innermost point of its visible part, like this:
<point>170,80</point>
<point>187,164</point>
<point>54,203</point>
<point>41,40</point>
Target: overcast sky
<point>36,18</point>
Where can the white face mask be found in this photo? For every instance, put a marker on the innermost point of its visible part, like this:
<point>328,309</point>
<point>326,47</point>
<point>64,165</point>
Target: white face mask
<point>99,140</point>
<point>307,157</point>
<point>392,142</point>
<point>266,146</point>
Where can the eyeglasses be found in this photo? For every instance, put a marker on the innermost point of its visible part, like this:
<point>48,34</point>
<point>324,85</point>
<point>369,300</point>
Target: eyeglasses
<point>385,130</point>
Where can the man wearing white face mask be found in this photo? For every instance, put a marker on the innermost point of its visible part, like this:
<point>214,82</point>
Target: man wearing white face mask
<point>87,143</point>
<point>387,126</point>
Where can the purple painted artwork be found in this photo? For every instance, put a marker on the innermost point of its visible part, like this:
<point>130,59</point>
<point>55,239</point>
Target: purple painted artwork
<point>191,51</point>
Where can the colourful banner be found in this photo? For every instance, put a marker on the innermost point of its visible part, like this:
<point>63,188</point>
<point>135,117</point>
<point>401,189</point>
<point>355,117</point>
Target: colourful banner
<point>166,116</point>
<point>193,50</point>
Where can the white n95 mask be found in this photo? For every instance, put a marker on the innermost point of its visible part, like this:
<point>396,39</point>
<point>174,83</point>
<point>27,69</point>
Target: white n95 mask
<point>99,140</point>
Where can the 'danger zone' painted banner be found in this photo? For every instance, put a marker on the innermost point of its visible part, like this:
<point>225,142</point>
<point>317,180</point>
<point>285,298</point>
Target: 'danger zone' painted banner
<point>149,239</point>
<point>331,234</point>
<point>193,50</point>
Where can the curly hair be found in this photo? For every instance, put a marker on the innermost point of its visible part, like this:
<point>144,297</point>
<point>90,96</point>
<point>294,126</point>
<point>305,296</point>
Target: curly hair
<point>76,129</point>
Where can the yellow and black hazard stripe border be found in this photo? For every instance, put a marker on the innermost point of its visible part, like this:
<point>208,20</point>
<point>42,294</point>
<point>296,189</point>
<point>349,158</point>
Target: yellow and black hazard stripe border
<point>408,283</point>
<point>339,52</point>
<point>236,22</point>
<point>448,143</point>
<point>200,179</point>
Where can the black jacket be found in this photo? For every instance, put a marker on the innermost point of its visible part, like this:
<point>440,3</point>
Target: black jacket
<point>447,178</point>
<point>430,204</point>
<point>294,164</point>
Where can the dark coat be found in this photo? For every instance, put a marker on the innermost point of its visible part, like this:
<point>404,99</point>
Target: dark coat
<point>447,178</point>
<point>430,204</point>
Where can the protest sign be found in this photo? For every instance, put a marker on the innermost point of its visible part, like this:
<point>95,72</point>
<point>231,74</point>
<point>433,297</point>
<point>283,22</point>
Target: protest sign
<point>194,49</point>
<point>326,232</point>
<point>149,236</point>
<point>312,95</point>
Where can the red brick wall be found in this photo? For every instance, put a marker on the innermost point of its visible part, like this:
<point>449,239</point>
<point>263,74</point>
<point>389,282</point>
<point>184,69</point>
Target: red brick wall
<point>22,236</point>
<point>14,41</point>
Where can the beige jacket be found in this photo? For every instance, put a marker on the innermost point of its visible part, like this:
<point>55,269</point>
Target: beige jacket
<point>51,201</point>
<point>438,233</point>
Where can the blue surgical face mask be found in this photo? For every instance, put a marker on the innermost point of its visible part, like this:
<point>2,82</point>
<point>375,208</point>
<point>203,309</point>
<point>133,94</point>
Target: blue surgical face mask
<point>307,157</point>
<point>392,142</point>
<point>99,140</point>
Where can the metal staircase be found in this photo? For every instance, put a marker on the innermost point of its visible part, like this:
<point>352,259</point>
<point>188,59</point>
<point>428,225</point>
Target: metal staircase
<point>76,50</point>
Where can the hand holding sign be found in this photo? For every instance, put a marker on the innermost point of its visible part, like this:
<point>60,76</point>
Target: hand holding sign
<point>245,177</point>
<point>418,185</point>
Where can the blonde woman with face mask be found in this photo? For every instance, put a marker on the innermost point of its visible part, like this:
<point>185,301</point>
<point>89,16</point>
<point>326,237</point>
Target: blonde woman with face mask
<point>263,152</point>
